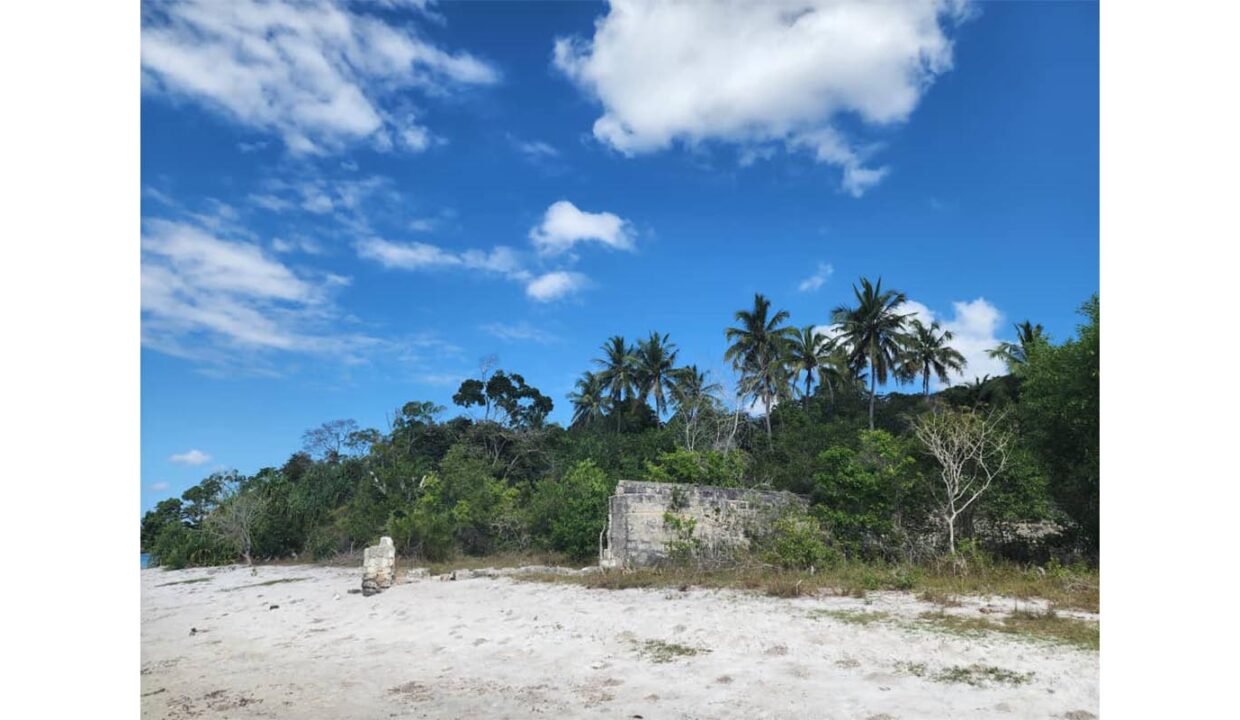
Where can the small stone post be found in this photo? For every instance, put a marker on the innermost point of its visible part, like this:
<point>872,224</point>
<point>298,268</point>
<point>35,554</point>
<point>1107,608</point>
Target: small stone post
<point>378,567</point>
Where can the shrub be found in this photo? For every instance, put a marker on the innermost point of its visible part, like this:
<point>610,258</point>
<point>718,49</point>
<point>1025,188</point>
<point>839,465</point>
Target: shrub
<point>707,467</point>
<point>178,546</point>
<point>796,541</point>
<point>569,514</point>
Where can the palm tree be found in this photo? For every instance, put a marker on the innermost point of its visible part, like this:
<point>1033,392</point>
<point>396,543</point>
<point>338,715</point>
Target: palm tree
<point>872,332</point>
<point>617,371</point>
<point>758,350</point>
<point>926,351</point>
<point>690,388</point>
<point>808,351</point>
<point>654,363</point>
<point>834,371</point>
<point>1016,354</point>
<point>694,397</point>
<point>590,400</point>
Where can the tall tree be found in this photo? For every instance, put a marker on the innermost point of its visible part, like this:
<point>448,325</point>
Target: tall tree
<point>617,372</point>
<point>654,364</point>
<point>1059,414</point>
<point>926,352</point>
<point>808,352</point>
<point>693,395</point>
<point>590,399</point>
<point>836,373</point>
<point>758,351</point>
<point>1015,355</point>
<point>873,332</point>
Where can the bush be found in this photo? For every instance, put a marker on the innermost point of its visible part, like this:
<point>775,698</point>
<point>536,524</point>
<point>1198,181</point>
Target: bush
<point>569,514</point>
<point>178,546</point>
<point>796,541</point>
<point>325,542</point>
<point>698,468</point>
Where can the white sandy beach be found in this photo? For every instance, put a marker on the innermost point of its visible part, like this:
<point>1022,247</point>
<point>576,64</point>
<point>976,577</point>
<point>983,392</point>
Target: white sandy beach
<point>499,648</point>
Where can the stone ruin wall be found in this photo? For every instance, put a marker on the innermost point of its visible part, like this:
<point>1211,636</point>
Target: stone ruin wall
<point>638,536</point>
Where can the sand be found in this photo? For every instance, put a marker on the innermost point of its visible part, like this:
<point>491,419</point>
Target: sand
<point>292,642</point>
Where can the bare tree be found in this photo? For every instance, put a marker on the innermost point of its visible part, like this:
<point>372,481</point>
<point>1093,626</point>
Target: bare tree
<point>234,520</point>
<point>972,450</point>
<point>329,438</point>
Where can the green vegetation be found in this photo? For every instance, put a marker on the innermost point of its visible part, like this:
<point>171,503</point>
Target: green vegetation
<point>659,651</point>
<point>981,675</point>
<point>889,508</point>
<point>852,617</point>
<point>1038,625</point>
<point>1075,588</point>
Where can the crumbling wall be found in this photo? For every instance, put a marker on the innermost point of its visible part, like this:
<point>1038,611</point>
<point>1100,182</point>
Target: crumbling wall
<point>650,523</point>
<point>378,567</point>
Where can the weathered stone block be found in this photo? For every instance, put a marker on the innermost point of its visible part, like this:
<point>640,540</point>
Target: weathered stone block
<point>722,519</point>
<point>378,567</point>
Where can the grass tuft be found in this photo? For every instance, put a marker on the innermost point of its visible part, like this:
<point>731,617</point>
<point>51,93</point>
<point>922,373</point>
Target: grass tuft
<point>852,617</point>
<point>980,675</point>
<point>659,651</point>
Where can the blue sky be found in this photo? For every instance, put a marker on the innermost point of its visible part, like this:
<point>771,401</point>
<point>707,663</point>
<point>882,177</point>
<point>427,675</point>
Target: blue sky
<point>346,206</point>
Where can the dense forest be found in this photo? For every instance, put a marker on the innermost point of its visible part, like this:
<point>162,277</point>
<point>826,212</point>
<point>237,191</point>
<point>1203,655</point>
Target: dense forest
<point>1004,466</point>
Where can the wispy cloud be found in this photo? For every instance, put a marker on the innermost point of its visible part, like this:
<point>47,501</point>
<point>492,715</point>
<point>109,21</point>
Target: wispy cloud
<point>190,457</point>
<point>518,332</point>
<point>223,300</point>
<point>815,281</point>
<point>501,260</point>
<point>158,486</point>
<point>535,150</point>
<point>318,74</point>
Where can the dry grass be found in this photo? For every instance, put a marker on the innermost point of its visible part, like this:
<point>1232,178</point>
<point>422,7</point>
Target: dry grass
<point>186,582</point>
<point>265,583</point>
<point>1037,625</point>
<point>852,617</point>
<point>499,560</point>
<point>1076,589</point>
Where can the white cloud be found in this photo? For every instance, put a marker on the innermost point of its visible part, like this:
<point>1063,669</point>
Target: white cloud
<point>518,332</point>
<point>298,244</point>
<point>315,73</point>
<point>190,457</point>
<point>535,149</point>
<point>218,299</point>
<point>159,486</point>
<point>760,74</point>
<point>815,281</point>
<point>501,260</point>
<point>425,256</point>
<point>555,285</point>
<point>973,325</point>
<point>564,225</point>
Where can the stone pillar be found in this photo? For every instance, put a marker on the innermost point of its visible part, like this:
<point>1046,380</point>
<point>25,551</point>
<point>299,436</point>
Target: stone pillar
<point>378,567</point>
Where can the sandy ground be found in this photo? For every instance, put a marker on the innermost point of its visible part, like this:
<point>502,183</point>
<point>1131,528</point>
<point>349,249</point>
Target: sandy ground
<point>231,647</point>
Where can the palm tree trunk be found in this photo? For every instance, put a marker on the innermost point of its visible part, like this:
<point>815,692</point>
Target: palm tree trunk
<point>766,400</point>
<point>872,376</point>
<point>809,378</point>
<point>925,384</point>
